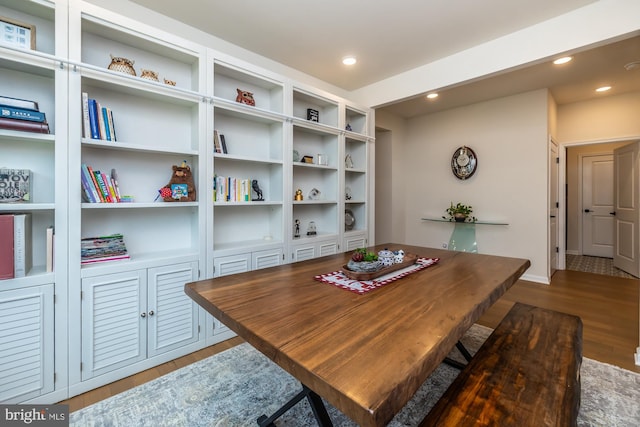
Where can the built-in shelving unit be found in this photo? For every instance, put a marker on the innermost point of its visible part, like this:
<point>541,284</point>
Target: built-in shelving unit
<point>27,303</point>
<point>91,324</point>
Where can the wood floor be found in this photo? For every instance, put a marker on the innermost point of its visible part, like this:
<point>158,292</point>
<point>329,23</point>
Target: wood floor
<point>607,305</point>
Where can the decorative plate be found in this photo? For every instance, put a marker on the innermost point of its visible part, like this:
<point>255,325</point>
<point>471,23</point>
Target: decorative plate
<point>349,220</point>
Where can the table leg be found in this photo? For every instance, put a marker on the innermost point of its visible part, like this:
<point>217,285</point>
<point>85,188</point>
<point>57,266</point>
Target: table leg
<point>465,353</point>
<point>317,406</point>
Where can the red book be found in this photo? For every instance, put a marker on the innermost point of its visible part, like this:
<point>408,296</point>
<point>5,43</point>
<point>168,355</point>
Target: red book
<point>24,125</point>
<point>6,247</point>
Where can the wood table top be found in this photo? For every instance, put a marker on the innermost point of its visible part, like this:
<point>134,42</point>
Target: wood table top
<point>365,354</point>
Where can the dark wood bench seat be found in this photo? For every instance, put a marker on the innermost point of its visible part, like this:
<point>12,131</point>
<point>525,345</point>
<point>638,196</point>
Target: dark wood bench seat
<point>527,373</point>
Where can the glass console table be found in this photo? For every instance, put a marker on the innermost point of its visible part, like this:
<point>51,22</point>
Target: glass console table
<point>463,237</point>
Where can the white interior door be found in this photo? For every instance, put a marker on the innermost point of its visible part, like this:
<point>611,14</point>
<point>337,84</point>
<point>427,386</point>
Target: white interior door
<point>553,207</point>
<point>626,208</point>
<point>597,206</point>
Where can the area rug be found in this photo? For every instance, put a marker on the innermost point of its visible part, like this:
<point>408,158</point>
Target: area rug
<point>235,387</point>
<point>594,264</point>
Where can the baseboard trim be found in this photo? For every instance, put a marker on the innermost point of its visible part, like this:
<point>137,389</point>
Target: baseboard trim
<point>537,279</point>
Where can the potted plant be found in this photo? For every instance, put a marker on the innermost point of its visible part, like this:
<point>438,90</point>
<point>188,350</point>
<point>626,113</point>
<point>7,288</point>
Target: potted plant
<point>460,213</point>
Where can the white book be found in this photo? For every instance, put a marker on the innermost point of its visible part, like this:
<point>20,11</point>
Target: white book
<point>86,124</point>
<point>22,244</point>
<point>49,249</point>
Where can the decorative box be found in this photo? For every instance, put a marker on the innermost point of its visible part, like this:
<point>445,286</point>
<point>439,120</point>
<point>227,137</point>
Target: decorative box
<point>15,185</point>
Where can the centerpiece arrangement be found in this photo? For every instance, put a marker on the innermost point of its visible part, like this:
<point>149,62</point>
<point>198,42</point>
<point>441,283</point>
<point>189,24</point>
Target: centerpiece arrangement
<point>365,265</point>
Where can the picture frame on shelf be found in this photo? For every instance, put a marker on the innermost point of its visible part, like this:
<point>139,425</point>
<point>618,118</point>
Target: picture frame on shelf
<point>17,34</point>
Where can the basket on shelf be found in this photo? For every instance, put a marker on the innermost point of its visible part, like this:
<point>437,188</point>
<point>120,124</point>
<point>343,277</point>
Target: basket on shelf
<point>122,65</point>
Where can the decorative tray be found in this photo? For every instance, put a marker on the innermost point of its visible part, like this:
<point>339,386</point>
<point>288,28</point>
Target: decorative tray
<point>409,259</point>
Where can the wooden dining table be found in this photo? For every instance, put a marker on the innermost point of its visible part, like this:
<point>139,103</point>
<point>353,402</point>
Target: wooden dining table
<point>366,354</point>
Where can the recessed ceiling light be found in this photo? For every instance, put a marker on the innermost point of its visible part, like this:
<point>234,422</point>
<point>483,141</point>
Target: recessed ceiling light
<point>632,65</point>
<point>603,89</point>
<point>562,60</point>
<point>349,60</point>
<point>432,95</point>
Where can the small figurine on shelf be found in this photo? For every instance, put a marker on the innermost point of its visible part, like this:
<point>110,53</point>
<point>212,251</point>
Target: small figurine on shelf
<point>298,197</point>
<point>296,230</point>
<point>245,97</point>
<point>311,229</point>
<point>313,115</point>
<point>256,188</point>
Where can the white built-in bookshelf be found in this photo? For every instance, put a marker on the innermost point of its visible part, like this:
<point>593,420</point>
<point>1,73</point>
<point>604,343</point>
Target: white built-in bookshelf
<point>112,319</point>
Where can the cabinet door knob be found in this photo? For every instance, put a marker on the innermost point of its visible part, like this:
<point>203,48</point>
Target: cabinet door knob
<point>151,313</point>
<point>143,314</point>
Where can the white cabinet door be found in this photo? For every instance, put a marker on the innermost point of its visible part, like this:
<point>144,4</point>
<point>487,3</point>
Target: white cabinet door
<point>26,343</point>
<point>314,249</point>
<point>303,252</point>
<point>172,315</point>
<point>232,264</point>
<point>327,248</point>
<point>353,242</point>
<point>114,326</point>
<point>265,259</point>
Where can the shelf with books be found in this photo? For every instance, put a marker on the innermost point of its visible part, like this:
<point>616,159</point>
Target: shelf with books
<point>145,119</point>
<point>139,175</point>
<point>174,230</point>
<point>265,177</point>
<point>33,84</point>
<point>250,135</point>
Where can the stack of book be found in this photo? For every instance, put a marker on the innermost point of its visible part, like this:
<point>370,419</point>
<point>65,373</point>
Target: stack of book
<point>98,187</point>
<point>15,245</point>
<point>219,142</point>
<point>97,120</point>
<point>230,189</point>
<point>104,248</point>
<point>22,115</point>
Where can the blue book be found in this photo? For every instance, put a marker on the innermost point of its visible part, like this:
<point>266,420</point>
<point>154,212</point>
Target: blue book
<point>22,114</point>
<point>107,129</point>
<point>93,119</point>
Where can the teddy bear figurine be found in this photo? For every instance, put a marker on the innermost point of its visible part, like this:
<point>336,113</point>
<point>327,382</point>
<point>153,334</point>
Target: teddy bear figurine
<point>180,187</point>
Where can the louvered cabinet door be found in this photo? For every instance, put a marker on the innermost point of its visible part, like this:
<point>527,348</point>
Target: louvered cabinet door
<point>26,343</point>
<point>114,321</point>
<point>172,315</point>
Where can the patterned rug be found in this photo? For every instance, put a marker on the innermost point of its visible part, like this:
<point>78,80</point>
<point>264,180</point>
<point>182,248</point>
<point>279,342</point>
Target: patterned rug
<point>235,387</point>
<point>597,265</point>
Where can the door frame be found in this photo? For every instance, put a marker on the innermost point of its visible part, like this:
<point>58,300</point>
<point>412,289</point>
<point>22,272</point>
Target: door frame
<point>562,180</point>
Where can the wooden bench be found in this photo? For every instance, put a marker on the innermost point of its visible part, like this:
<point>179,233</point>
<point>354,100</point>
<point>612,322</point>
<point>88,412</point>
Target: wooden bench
<point>527,373</point>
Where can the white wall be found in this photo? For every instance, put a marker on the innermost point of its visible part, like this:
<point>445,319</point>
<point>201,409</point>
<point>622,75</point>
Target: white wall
<point>612,117</point>
<point>390,189</point>
<point>509,136</point>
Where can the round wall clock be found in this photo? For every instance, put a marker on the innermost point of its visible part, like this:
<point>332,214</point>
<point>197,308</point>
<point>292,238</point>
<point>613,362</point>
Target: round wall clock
<point>464,162</point>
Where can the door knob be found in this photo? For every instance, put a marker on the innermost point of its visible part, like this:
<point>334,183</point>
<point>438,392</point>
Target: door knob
<point>612,213</point>
<point>587,211</point>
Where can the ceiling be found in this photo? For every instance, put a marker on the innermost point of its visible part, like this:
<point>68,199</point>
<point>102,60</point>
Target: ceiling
<point>389,38</point>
